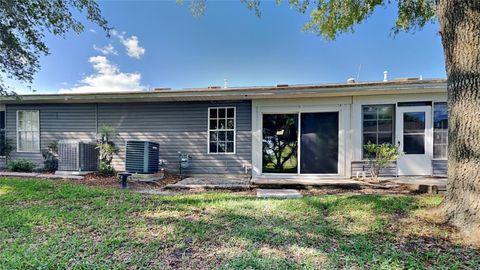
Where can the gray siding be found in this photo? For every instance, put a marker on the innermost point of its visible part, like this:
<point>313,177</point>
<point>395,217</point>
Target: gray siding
<point>57,121</point>
<point>359,166</point>
<point>440,167</point>
<point>176,126</point>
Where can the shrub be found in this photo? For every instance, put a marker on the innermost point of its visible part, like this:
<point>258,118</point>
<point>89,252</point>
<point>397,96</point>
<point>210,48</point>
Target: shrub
<point>379,156</point>
<point>105,169</point>
<point>50,159</point>
<point>107,149</point>
<point>21,165</point>
<point>6,147</point>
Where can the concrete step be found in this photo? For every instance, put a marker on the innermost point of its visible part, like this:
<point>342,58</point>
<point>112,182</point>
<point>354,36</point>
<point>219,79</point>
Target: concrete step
<point>278,193</point>
<point>205,187</point>
<point>40,175</point>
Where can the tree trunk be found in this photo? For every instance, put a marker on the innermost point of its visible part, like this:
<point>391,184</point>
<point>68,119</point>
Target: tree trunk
<point>460,30</point>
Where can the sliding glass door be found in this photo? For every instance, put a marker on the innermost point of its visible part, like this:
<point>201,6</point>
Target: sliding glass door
<point>305,143</point>
<point>319,143</point>
<point>280,143</point>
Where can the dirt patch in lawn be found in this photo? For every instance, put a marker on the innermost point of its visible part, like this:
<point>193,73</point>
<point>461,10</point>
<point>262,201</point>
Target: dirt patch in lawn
<point>94,180</point>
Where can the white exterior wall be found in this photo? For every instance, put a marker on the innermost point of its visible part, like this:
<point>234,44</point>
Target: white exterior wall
<point>350,123</point>
<point>340,104</point>
<point>359,101</point>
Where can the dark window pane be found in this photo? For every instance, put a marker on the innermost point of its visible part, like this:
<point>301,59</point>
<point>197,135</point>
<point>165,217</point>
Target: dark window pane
<point>2,142</point>
<point>230,124</point>
<point>213,136</point>
<point>2,120</point>
<point>213,147</point>
<point>370,126</point>
<point>385,125</point>
<point>230,147</point>
<point>378,123</point>
<point>213,124</point>
<point>369,113</point>
<point>414,122</point>
<point>385,138</point>
<point>221,136</point>
<point>221,147</point>
<point>229,135</point>
<point>213,113</point>
<point>369,137</point>
<point>221,113</point>
<point>414,144</point>
<point>230,112</point>
<point>280,142</point>
<point>440,116</point>
<point>221,124</point>
<point>385,112</point>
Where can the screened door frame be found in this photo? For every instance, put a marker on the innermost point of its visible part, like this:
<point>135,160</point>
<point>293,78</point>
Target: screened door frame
<point>257,148</point>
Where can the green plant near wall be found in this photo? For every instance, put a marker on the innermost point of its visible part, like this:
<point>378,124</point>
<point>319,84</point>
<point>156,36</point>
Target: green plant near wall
<point>107,150</point>
<point>50,157</point>
<point>380,156</point>
<point>7,147</point>
<point>20,165</point>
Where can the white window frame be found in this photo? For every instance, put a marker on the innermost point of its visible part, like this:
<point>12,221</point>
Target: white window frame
<point>234,130</point>
<point>38,132</point>
<point>393,123</point>
<point>433,131</point>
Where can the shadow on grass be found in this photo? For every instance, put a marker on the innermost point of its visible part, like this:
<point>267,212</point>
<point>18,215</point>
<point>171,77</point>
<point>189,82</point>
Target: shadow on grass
<point>215,230</point>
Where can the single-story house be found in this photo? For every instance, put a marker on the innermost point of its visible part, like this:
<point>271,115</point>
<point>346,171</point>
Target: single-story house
<point>287,131</point>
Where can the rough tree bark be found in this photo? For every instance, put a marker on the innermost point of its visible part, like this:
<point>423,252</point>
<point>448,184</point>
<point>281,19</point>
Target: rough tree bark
<point>460,31</point>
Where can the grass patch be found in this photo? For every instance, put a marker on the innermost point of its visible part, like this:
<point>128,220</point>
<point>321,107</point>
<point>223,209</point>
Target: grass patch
<point>51,225</point>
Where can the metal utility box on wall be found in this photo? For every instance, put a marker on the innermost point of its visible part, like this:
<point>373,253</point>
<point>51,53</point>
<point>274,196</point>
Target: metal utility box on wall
<point>142,157</point>
<point>77,156</point>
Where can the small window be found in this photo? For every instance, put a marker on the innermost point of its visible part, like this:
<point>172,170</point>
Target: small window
<point>378,124</point>
<point>28,131</point>
<point>440,130</point>
<point>2,133</point>
<point>221,130</point>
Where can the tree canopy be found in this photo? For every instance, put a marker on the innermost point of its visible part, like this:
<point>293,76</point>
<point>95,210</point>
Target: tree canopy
<point>23,26</point>
<point>329,18</point>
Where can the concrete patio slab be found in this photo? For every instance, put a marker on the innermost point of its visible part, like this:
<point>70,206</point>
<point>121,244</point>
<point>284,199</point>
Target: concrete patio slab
<point>278,193</point>
<point>40,175</point>
<point>211,183</point>
<point>306,182</point>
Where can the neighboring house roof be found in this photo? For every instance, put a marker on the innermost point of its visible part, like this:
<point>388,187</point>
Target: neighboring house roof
<point>242,93</point>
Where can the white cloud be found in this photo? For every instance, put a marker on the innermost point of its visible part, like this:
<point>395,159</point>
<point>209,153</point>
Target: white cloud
<point>108,49</point>
<point>132,44</point>
<point>107,78</point>
<point>92,30</point>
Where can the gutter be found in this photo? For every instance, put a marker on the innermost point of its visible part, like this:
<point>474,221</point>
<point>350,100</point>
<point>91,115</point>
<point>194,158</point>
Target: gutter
<point>326,90</point>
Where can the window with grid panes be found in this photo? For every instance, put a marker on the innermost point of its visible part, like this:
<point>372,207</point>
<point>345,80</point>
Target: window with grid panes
<point>221,130</point>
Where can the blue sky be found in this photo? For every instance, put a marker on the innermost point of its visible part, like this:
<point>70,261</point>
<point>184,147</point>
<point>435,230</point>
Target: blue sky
<point>160,44</point>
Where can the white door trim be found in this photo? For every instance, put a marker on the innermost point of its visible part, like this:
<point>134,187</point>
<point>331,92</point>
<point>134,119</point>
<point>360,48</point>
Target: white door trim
<point>257,125</point>
<point>415,164</point>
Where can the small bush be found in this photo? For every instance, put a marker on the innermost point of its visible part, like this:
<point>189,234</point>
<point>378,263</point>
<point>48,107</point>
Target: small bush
<point>105,169</point>
<point>379,156</point>
<point>21,165</point>
<point>50,160</point>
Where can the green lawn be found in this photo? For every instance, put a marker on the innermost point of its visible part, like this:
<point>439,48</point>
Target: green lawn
<point>51,225</point>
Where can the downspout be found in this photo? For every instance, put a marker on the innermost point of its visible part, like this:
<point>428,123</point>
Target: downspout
<point>96,120</point>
